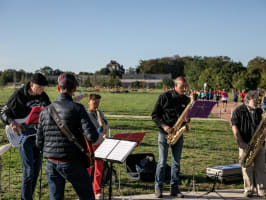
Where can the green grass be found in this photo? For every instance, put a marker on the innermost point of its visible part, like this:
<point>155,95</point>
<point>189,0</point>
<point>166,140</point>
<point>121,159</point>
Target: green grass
<point>132,103</point>
<point>202,148</point>
<point>209,143</point>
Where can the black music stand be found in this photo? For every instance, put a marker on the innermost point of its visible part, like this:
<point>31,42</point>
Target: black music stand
<point>114,151</point>
<point>200,109</point>
<point>213,187</point>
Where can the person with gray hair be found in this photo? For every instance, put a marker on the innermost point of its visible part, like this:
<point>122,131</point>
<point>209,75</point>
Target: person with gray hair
<point>253,94</point>
<point>245,120</point>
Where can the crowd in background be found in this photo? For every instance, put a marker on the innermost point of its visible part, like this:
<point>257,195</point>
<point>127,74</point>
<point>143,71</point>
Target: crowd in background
<point>217,95</point>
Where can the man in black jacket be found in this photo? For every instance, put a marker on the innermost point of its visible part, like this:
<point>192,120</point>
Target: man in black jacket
<point>19,106</point>
<point>63,157</point>
<point>167,110</point>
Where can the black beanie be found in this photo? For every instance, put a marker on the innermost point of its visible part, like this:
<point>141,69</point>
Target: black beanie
<point>39,79</point>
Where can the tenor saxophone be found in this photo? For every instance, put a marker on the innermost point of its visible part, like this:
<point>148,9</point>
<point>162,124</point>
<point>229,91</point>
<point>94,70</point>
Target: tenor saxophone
<point>178,129</point>
<point>255,144</point>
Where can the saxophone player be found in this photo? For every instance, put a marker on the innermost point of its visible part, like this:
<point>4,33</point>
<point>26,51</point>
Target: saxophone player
<point>168,108</point>
<point>245,120</point>
<point>101,124</point>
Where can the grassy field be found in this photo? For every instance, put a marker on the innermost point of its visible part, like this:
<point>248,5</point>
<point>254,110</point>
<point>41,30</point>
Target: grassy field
<point>209,143</point>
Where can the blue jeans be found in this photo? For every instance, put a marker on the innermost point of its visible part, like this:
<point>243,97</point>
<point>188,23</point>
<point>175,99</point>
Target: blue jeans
<point>175,157</point>
<point>73,171</point>
<point>31,164</point>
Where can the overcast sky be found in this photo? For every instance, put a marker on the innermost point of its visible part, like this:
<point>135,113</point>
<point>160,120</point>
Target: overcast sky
<point>84,35</point>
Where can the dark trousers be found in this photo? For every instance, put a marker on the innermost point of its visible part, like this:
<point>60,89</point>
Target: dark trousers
<point>58,172</point>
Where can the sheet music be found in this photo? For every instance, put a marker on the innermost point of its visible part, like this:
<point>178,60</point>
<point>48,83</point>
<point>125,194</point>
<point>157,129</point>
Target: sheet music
<point>122,150</point>
<point>116,150</point>
<point>104,149</point>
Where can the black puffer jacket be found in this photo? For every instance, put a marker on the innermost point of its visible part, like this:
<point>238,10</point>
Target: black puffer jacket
<point>52,141</point>
<point>168,108</point>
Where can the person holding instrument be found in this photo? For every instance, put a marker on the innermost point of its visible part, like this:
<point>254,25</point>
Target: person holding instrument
<point>167,110</point>
<point>64,158</point>
<point>19,106</point>
<point>245,120</point>
<point>101,124</point>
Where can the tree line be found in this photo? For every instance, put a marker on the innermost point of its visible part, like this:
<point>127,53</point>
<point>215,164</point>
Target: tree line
<point>218,72</point>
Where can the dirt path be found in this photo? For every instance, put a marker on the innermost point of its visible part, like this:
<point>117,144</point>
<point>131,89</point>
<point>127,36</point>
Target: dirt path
<point>226,115</point>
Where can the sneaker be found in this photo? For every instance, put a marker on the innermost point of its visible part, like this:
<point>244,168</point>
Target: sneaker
<point>158,193</point>
<point>248,194</point>
<point>98,196</point>
<point>175,192</point>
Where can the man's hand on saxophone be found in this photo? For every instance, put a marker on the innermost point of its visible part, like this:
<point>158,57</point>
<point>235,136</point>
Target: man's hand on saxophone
<point>168,129</point>
<point>243,146</point>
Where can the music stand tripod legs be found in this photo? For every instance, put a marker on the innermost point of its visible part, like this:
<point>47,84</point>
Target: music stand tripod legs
<point>110,181</point>
<point>213,188</point>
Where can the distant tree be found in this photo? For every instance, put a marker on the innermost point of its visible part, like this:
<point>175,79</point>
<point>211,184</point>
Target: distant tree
<point>160,85</point>
<point>103,71</point>
<point>166,65</point>
<point>257,63</point>
<point>86,82</point>
<point>131,70</point>
<point>114,82</point>
<point>83,73</point>
<point>2,81</point>
<point>117,81</point>
<point>95,81</point>
<point>256,70</point>
<point>21,76</point>
<point>169,83</point>
<point>222,81</point>
<point>46,70</point>
<point>57,72</point>
<point>207,76</point>
<point>239,80</point>
<point>136,84</point>
<point>104,82</point>
<point>8,76</point>
<point>193,70</point>
<point>113,69</point>
<point>262,83</point>
<point>253,79</point>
